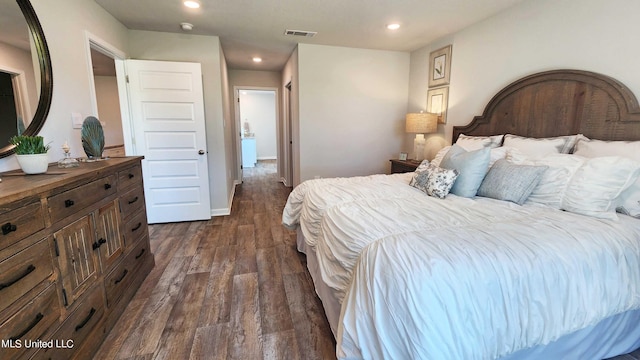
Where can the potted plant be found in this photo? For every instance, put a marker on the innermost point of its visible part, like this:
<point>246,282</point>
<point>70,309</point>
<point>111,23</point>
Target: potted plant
<point>31,153</point>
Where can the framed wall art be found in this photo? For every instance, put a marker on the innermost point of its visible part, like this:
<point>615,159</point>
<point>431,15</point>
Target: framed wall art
<point>440,67</point>
<point>437,103</point>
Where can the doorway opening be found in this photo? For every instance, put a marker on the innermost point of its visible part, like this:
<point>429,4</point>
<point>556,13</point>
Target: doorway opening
<point>257,121</point>
<point>106,105</point>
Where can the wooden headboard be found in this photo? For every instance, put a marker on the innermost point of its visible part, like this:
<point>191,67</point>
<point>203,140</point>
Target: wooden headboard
<point>560,102</point>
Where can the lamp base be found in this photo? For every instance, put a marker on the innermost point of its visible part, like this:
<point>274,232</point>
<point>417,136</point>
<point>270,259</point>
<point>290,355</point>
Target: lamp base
<point>418,147</point>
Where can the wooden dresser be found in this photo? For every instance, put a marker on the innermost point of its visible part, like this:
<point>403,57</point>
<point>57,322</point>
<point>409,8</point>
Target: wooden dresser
<point>74,248</point>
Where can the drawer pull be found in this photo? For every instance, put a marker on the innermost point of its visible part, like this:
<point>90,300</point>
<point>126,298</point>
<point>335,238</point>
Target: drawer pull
<point>26,272</point>
<point>68,203</point>
<point>136,227</point>
<point>133,200</point>
<point>140,255</point>
<point>122,277</point>
<point>131,176</point>
<point>85,321</point>
<point>8,227</point>
<point>107,186</point>
<point>31,326</point>
<point>98,243</point>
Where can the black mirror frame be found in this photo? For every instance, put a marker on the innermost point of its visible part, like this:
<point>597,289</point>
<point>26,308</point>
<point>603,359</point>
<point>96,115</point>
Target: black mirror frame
<point>46,79</point>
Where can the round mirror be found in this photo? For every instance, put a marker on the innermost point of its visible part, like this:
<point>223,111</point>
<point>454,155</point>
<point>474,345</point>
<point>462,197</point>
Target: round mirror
<point>26,85</point>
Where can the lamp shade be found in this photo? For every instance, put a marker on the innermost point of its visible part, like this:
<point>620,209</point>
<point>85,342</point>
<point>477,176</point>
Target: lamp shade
<point>421,123</point>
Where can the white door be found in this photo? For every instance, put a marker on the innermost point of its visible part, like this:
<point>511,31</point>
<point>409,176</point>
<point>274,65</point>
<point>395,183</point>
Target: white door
<point>167,120</point>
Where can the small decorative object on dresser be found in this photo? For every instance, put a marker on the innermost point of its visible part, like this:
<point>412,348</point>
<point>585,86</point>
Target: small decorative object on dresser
<point>403,166</point>
<point>92,137</point>
<point>67,161</point>
<point>403,156</point>
<point>31,153</point>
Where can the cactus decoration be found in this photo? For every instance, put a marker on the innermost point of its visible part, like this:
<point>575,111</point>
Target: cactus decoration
<point>92,137</point>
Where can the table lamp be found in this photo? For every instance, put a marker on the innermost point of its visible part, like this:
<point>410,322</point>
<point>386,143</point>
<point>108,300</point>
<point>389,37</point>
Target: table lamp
<point>420,124</point>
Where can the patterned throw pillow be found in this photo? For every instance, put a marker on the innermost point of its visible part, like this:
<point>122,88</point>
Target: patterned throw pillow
<point>440,181</point>
<point>423,166</point>
<point>434,181</point>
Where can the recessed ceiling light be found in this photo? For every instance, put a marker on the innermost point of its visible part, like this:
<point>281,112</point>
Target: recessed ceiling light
<point>257,59</point>
<point>393,26</point>
<point>191,4</point>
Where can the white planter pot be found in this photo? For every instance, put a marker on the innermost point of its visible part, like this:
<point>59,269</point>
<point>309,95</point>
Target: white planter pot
<point>33,163</point>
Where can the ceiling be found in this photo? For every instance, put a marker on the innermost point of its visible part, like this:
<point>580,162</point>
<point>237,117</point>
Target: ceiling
<point>249,28</point>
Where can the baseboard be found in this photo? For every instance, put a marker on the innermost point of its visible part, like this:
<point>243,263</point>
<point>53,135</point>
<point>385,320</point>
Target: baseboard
<point>227,210</point>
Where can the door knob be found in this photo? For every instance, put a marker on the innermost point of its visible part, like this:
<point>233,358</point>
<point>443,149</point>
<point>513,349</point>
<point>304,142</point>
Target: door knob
<point>201,152</point>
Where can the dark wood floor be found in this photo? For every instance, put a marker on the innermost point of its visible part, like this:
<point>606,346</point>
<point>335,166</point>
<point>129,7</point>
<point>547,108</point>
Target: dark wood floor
<point>233,287</point>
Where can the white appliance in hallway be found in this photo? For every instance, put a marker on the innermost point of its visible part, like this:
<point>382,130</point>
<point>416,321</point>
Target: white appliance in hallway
<point>167,120</point>
<point>249,152</point>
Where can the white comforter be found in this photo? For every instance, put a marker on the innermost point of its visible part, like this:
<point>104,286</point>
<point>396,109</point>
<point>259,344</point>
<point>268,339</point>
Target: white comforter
<point>460,278</point>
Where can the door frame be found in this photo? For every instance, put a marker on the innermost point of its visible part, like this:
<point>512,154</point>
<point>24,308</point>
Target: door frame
<point>20,91</point>
<point>238,126</point>
<point>94,42</point>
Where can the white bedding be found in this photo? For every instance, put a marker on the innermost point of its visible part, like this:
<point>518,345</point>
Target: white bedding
<point>459,278</point>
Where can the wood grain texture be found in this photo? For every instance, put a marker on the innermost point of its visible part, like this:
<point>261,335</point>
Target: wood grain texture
<point>560,102</point>
<point>226,288</point>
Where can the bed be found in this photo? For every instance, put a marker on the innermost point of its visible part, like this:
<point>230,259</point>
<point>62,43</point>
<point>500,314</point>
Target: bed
<point>403,275</point>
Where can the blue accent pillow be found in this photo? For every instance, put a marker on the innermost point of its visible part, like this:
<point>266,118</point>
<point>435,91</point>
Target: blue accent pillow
<point>472,166</point>
<point>510,182</point>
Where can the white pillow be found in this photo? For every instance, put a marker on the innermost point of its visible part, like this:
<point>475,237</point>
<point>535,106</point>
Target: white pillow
<point>629,200</point>
<point>471,143</point>
<point>441,153</point>
<point>560,169</point>
<point>594,148</point>
<point>594,187</point>
<point>540,147</point>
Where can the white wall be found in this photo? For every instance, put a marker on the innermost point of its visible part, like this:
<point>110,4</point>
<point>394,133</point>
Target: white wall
<point>229,132</point>
<point>69,62</point>
<point>148,45</point>
<point>352,107</point>
<point>290,128</point>
<point>109,109</point>
<point>535,36</point>
<point>258,108</point>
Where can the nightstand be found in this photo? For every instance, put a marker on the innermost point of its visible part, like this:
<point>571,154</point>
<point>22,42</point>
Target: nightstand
<point>403,166</point>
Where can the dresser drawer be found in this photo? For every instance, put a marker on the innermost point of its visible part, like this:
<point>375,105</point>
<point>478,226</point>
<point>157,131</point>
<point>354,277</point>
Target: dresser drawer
<point>30,323</point>
<point>20,223</point>
<point>69,202</point>
<point>129,177</point>
<point>77,327</point>
<point>131,202</point>
<point>23,271</point>
<point>120,278</point>
<point>135,229</point>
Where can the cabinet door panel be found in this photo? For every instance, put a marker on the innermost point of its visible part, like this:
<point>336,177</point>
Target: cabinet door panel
<point>108,234</point>
<point>77,257</point>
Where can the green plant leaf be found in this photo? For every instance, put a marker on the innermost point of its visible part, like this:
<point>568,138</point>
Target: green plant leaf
<point>25,145</point>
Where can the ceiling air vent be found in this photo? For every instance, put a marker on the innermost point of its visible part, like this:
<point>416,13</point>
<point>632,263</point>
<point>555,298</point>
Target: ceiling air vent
<point>300,33</point>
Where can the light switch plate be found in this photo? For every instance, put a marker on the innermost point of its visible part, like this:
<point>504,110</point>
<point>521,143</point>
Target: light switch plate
<point>76,120</point>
